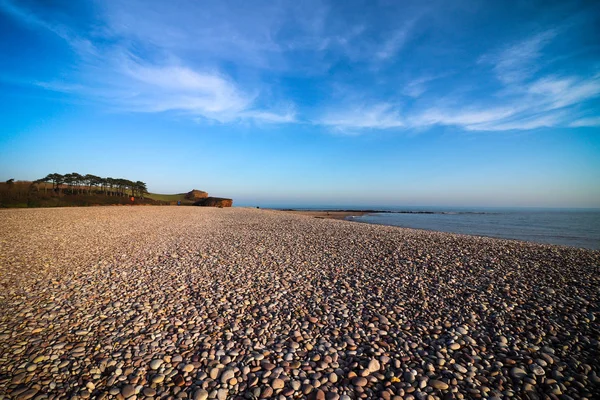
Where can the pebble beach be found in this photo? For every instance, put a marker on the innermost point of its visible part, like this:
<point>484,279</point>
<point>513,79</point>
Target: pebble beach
<point>205,303</point>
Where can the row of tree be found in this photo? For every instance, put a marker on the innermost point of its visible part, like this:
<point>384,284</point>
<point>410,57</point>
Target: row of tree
<point>77,183</point>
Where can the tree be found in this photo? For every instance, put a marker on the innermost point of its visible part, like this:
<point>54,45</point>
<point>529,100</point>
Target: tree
<point>78,181</point>
<point>92,181</point>
<point>141,188</point>
<point>69,179</point>
<point>57,180</point>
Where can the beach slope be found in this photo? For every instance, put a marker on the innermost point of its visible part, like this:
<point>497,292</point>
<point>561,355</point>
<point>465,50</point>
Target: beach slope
<point>191,302</point>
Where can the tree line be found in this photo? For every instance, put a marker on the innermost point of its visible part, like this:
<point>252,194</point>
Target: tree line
<point>77,183</point>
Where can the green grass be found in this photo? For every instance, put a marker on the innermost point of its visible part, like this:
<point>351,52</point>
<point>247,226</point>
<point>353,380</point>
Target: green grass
<point>172,198</point>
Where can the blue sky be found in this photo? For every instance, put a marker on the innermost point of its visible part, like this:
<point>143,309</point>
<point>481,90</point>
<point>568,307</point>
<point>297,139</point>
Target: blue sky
<point>469,103</point>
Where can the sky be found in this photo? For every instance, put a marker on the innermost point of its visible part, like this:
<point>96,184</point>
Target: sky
<point>300,103</point>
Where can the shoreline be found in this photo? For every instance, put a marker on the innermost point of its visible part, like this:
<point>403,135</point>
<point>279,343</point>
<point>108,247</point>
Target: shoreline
<point>472,223</point>
<point>327,214</point>
<point>233,302</point>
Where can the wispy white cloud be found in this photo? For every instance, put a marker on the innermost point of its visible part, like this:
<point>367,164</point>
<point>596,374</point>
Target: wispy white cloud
<point>544,103</point>
<point>206,62</point>
<point>462,117</point>
<point>288,116</point>
<point>586,122</point>
<point>112,75</point>
<point>518,61</point>
<point>392,45</point>
<point>416,87</point>
<point>524,123</point>
<point>81,45</point>
<point>558,92</point>
<point>377,116</point>
<point>525,100</point>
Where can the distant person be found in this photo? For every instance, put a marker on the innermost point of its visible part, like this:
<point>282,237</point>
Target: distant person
<point>178,202</point>
<point>132,199</point>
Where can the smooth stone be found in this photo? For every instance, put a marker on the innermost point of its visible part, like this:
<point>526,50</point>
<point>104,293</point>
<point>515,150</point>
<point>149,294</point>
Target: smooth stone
<point>360,381</point>
<point>178,380</point>
<point>200,394</point>
<point>227,375</point>
<point>434,383</point>
<point>518,373</point>
<point>317,395</point>
<point>537,370</point>
<point>374,366</point>
<point>266,393</point>
<point>408,377</point>
<point>127,391</point>
<point>214,373</point>
<point>155,364</point>
<point>277,384</point>
<point>28,394</point>
<point>460,368</point>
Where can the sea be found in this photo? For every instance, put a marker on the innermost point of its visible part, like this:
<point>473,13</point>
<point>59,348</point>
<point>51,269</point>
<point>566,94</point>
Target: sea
<point>567,227</point>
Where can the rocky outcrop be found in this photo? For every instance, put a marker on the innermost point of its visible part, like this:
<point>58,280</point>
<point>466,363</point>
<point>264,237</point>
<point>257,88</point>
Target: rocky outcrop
<point>214,202</point>
<point>196,195</point>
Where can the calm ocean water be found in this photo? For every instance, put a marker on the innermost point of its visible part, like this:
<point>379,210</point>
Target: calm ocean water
<point>578,228</point>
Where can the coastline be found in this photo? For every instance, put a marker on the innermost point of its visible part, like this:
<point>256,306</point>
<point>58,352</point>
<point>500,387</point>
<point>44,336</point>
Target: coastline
<point>233,302</point>
<point>328,214</point>
<point>573,228</point>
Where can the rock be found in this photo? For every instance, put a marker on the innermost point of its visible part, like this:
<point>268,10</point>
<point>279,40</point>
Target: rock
<point>127,391</point>
<point>537,370</point>
<point>333,378</point>
<point>155,364</point>
<point>214,202</point>
<point>158,378</point>
<point>408,377</point>
<point>214,373</point>
<point>39,359</point>
<point>460,368</point>
<point>359,381</point>
<point>277,384</point>
<point>222,394</point>
<point>317,395</point>
<point>28,394</point>
<point>374,366</point>
<point>518,373</point>
<point>227,375</point>
<point>266,392</point>
<point>178,380</point>
<point>200,394</point>
<point>196,195</point>
<point>434,383</point>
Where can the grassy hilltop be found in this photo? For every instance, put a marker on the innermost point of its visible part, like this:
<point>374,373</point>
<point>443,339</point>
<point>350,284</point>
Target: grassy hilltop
<point>169,198</point>
<point>24,194</point>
